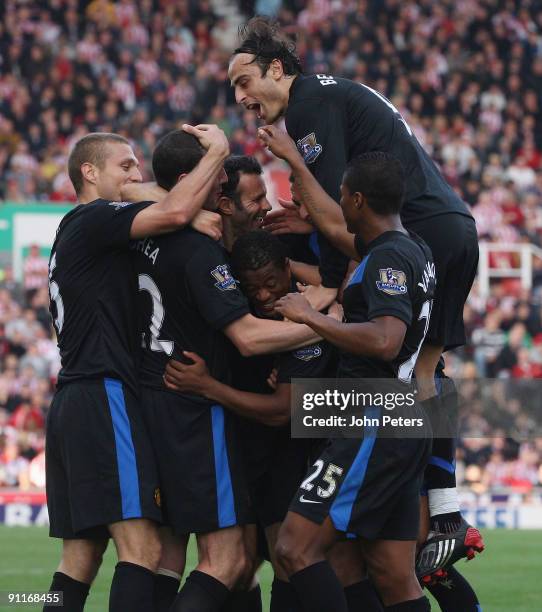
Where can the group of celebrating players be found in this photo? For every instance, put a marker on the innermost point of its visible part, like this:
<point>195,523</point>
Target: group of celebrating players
<point>181,326</point>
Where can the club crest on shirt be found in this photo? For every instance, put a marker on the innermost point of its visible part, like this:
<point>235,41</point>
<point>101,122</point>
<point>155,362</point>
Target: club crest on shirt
<point>309,148</point>
<point>118,205</point>
<point>223,277</point>
<point>308,353</point>
<point>392,282</point>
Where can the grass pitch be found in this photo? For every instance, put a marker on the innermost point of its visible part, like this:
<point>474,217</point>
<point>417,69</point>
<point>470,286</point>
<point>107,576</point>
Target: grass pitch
<point>506,576</point>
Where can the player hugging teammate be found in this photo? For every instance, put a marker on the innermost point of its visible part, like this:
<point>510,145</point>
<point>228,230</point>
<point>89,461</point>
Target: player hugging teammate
<point>193,436</point>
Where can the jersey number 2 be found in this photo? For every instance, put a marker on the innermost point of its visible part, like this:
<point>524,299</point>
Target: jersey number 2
<point>157,317</point>
<point>407,367</point>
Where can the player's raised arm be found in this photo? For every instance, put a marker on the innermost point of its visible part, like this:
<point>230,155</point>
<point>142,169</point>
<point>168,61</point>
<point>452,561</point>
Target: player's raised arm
<point>324,212</point>
<point>183,201</point>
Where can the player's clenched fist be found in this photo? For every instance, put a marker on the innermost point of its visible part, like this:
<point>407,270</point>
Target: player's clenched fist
<point>210,136</point>
<point>294,307</point>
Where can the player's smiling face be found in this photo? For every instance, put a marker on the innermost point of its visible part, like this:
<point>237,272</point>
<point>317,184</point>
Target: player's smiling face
<point>252,204</point>
<point>266,94</point>
<point>265,286</point>
<point>119,168</point>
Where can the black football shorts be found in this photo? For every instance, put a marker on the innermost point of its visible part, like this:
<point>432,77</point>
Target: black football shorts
<point>100,466</point>
<point>201,476</point>
<point>453,240</point>
<point>369,487</point>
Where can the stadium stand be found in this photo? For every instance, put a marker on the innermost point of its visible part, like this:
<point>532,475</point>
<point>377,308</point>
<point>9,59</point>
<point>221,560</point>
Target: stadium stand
<point>467,76</point>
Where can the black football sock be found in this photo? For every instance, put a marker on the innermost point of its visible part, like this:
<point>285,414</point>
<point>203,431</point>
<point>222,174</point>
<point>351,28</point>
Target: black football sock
<point>454,593</point>
<point>201,593</point>
<point>362,596</point>
<point>413,605</point>
<point>244,601</point>
<point>132,588</point>
<point>165,590</point>
<point>318,589</point>
<point>74,593</point>
<point>440,473</point>
<point>283,597</point>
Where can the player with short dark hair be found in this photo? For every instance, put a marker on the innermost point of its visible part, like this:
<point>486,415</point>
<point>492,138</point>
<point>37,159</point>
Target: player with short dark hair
<point>368,487</point>
<point>244,200</point>
<point>332,120</point>
<point>189,301</point>
<point>101,474</point>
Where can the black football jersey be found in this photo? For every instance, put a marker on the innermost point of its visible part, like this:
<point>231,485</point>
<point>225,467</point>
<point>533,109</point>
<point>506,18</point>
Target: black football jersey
<point>396,278</point>
<point>187,295</point>
<point>332,120</point>
<point>92,286</point>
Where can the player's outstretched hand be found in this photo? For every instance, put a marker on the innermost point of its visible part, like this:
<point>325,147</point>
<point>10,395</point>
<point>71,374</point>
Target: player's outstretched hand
<point>286,220</point>
<point>294,307</point>
<point>208,223</point>
<point>210,136</point>
<point>187,378</point>
<point>278,142</point>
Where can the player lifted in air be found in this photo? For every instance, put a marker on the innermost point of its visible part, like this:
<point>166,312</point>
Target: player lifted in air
<point>332,120</point>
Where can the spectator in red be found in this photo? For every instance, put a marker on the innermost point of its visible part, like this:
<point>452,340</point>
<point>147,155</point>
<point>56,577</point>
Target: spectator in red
<point>27,418</point>
<point>35,270</point>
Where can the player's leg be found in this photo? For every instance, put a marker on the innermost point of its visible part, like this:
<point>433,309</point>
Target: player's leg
<point>136,511</point>
<point>346,559</point>
<point>246,596</point>
<point>391,567</point>
<point>454,593</point>
<point>138,551</point>
<point>222,562</point>
<point>454,244</point>
<point>81,560</point>
<point>301,550</point>
<point>170,568</point>
<point>283,595</point>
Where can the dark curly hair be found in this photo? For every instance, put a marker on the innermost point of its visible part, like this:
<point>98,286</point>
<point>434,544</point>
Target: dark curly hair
<point>262,37</point>
<point>256,249</point>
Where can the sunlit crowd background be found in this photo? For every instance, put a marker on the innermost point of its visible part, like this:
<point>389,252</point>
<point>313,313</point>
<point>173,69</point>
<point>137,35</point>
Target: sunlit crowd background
<point>465,74</point>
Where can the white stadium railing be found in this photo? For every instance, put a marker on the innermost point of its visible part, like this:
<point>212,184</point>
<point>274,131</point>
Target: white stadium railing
<point>524,271</point>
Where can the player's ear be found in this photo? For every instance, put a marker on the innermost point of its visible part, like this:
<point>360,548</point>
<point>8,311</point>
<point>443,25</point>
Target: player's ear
<point>225,205</point>
<point>89,172</point>
<point>359,200</point>
<point>181,176</point>
<point>275,70</point>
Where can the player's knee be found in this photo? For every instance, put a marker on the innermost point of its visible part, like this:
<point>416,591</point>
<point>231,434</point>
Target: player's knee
<point>390,581</point>
<point>141,547</point>
<point>82,559</point>
<point>292,555</point>
<point>228,562</point>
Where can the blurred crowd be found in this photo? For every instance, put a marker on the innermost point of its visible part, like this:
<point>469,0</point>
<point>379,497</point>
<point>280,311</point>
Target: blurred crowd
<point>466,75</point>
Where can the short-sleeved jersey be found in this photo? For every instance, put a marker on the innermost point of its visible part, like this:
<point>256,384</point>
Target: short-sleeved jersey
<point>333,120</point>
<point>396,278</point>
<point>187,295</point>
<point>92,287</point>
